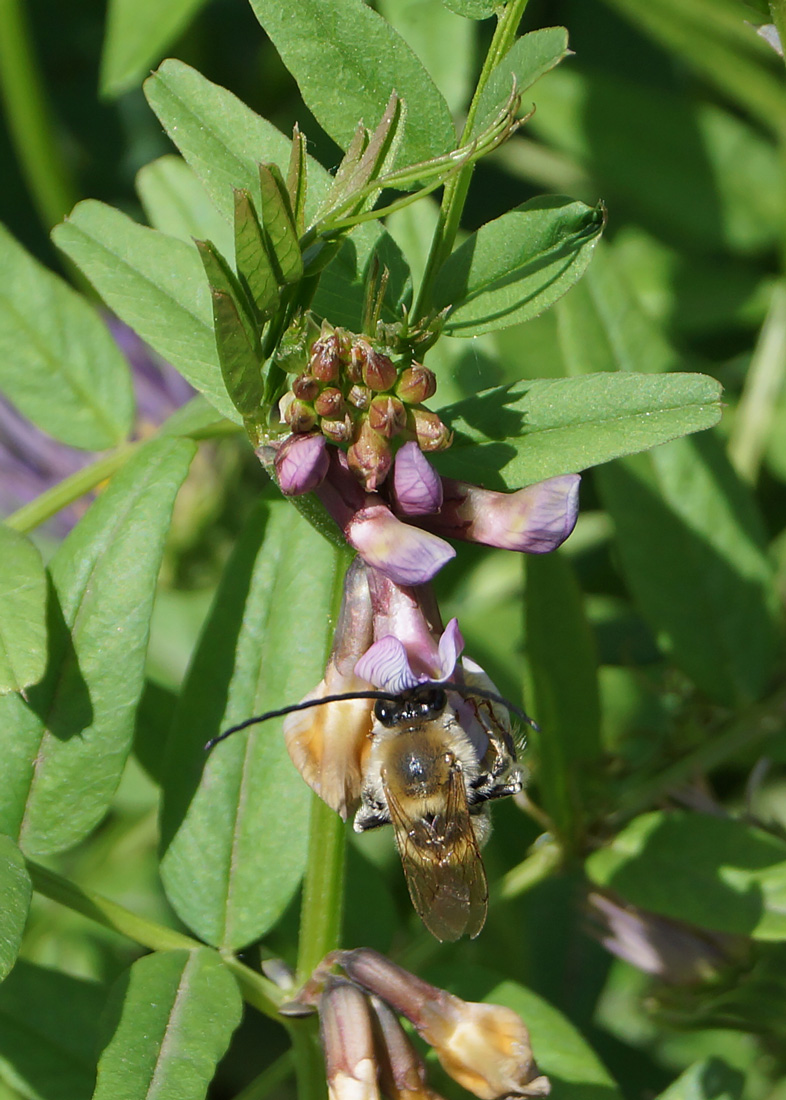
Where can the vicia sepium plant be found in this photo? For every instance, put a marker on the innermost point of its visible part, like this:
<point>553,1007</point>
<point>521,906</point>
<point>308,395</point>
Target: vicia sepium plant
<point>319,313</point>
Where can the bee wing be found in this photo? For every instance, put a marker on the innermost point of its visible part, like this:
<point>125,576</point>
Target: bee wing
<point>442,864</point>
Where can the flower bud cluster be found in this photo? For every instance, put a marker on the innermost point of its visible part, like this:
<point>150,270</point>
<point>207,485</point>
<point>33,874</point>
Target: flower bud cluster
<point>484,1047</point>
<point>359,399</point>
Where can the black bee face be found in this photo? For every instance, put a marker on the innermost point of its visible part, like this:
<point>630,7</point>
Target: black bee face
<point>420,704</point>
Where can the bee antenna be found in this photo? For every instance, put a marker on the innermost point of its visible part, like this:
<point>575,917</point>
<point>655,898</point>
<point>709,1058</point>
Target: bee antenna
<point>295,707</point>
<point>493,697</point>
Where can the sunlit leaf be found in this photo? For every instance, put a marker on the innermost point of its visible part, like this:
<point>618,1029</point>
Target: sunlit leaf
<point>58,362</point>
<point>15,893</point>
<point>22,612</point>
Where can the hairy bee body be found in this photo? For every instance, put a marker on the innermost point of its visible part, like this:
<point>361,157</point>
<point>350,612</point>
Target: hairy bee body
<point>436,759</point>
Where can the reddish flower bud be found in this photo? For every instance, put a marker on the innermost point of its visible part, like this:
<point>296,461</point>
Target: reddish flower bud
<point>378,371</point>
<point>326,358</point>
<point>387,416</point>
<point>306,387</point>
<point>369,457</point>
<point>330,402</point>
<point>339,430</point>
<point>428,429</point>
<point>416,384</point>
<point>300,416</point>
<point>359,396</point>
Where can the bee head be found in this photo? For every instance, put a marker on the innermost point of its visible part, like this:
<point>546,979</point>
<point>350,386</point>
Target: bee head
<point>419,704</point>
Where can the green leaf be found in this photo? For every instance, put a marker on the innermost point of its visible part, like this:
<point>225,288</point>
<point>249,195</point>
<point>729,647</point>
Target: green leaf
<point>713,872</point>
<point>445,44</point>
<point>156,284</point>
<point>236,338</point>
<point>712,37</point>
<point>517,265</point>
<point>176,203</point>
<point>138,32</point>
<point>517,435</point>
<point>22,612</point>
<point>64,749</point>
<point>330,44</point>
<point>562,691</point>
<point>527,60</point>
<point>341,293</point>
<point>16,891</point>
<point>693,553</point>
<point>718,176</point>
<point>58,362</point>
<point>251,256</point>
<point>279,226</point>
<point>48,1032</point>
<point>688,533</point>
<point>710,1079</point>
<point>472,9</point>
<point>223,140</point>
<point>575,1071</point>
<point>171,1018</point>
<point>234,823</point>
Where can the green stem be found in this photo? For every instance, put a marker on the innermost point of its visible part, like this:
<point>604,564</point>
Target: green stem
<point>321,913</point>
<point>69,490</point>
<point>455,195</point>
<point>30,121</point>
<point>256,989</point>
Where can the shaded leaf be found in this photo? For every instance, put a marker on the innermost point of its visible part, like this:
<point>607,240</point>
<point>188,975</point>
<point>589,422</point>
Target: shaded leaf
<point>137,34</point>
<point>22,612</point>
<point>251,257</point>
<point>517,265</point>
<point>171,1018</point>
<point>713,872</point>
<point>176,202</point>
<point>330,44</point>
<point>693,553</point>
<point>221,138</point>
<point>526,61</point>
<point>156,284</point>
<point>58,362</point>
<point>64,750</point>
<point>232,858</point>
<point>520,434</point>
<point>15,893</point>
<point>710,1079</point>
<point>48,1032</point>
<point>562,690</point>
<point>236,338</point>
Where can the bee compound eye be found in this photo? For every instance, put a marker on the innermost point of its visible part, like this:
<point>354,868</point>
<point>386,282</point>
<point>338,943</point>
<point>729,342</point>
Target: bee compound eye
<point>434,700</point>
<point>386,711</point>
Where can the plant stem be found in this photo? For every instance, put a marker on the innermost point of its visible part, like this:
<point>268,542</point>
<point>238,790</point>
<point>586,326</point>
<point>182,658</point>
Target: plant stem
<point>70,489</point>
<point>30,120</point>
<point>455,194</point>
<point>256,989</point>
<point>320,922</point>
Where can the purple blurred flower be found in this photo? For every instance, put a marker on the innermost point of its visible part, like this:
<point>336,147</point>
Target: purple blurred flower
<point>32,462</point>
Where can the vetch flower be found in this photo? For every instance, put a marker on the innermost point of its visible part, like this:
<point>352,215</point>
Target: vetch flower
<point>345,1025</point>
<point>484,1047</point>
<point>535,519</point>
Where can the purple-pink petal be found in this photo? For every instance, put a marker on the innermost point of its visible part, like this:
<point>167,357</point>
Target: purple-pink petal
<point>534,520</point>
<point>450,646</point>
<point>301,463</point>
<point>417,487</point>
<point>404,554</point>
<point>385,665</point>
